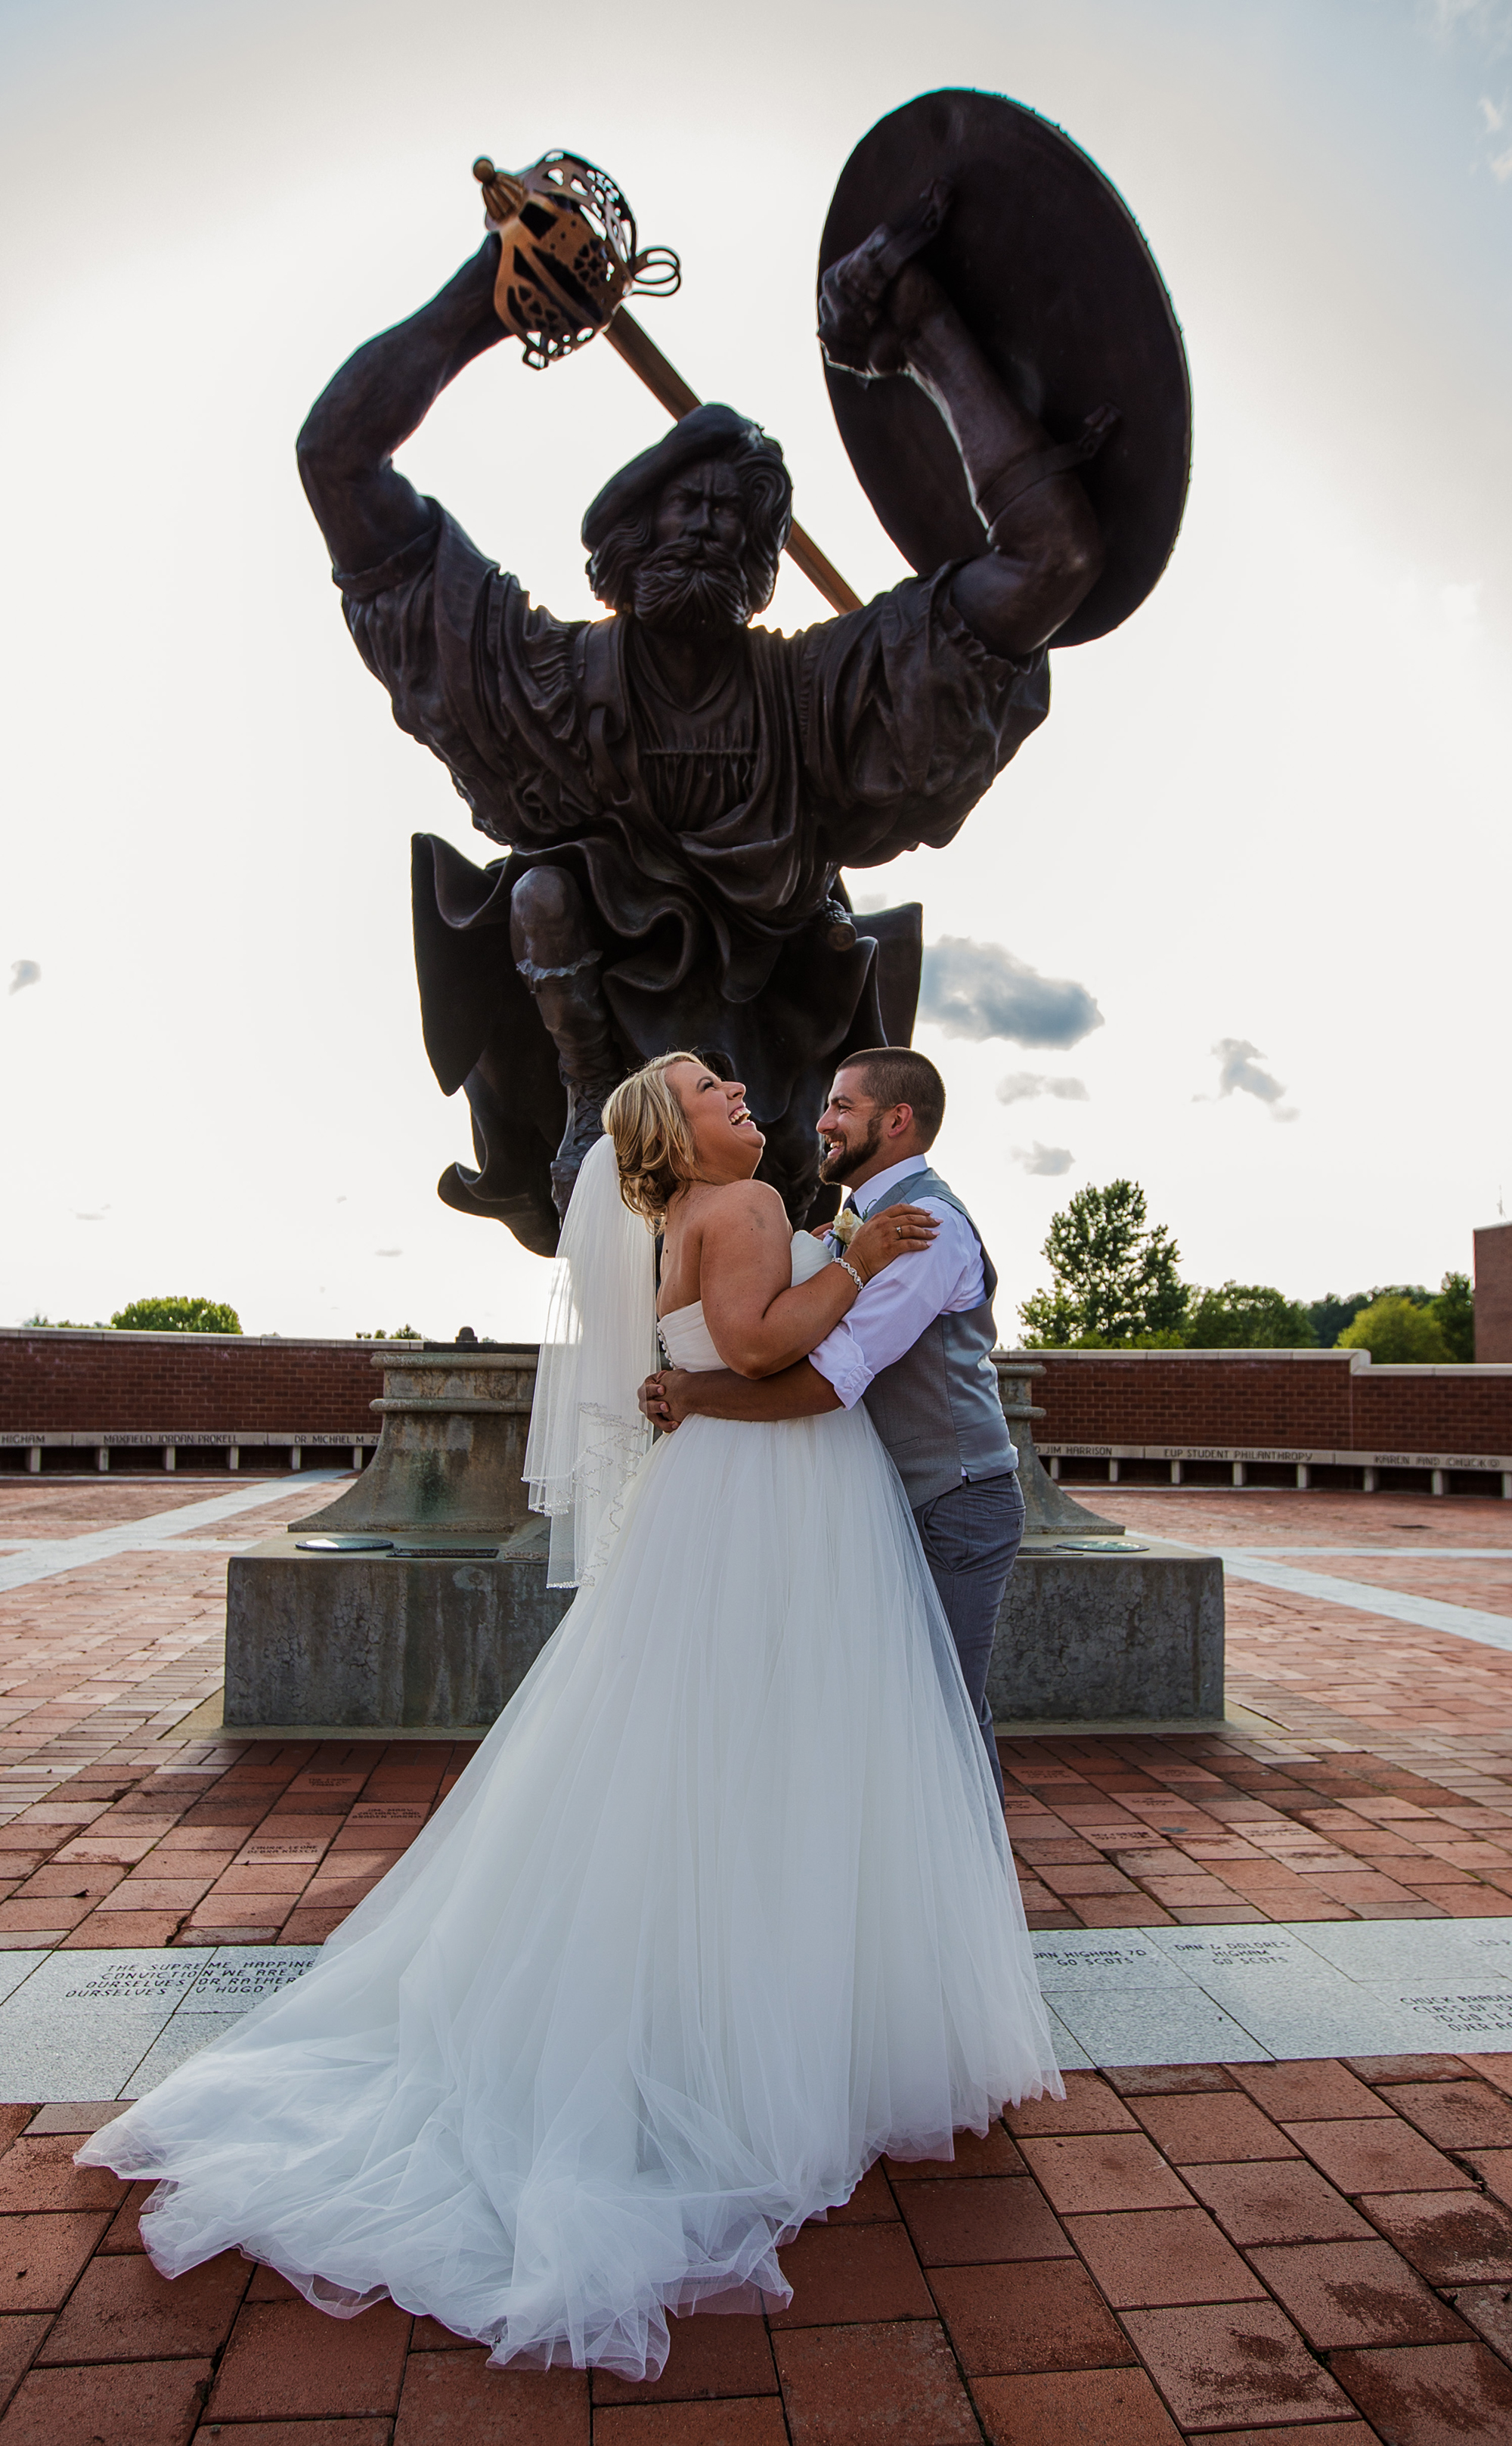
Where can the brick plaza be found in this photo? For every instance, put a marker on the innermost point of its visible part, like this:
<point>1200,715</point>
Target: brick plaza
<point>1313,2251</point>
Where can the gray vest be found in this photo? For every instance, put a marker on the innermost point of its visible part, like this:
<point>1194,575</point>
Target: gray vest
<point>938,1408</point>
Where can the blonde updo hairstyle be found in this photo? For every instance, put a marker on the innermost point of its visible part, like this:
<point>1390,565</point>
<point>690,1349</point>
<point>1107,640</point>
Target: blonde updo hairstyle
<point>653,1142</point>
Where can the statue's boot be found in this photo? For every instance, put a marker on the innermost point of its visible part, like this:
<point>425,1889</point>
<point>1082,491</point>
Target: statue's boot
<point>587,1057</point>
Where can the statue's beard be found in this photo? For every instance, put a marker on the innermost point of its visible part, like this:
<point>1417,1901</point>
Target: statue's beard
<point>692,588</point>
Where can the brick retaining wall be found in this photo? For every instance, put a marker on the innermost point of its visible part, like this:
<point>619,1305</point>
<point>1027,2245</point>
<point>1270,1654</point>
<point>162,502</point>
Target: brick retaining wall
<point>177,1382</point>
<point>67,1386</point>
<point>1315,1400</point>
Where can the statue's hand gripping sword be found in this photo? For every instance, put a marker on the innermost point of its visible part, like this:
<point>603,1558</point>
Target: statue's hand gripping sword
<point>568,261</point>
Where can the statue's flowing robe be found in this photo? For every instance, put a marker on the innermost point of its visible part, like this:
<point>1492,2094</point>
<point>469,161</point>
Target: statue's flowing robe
<point>706,841</point>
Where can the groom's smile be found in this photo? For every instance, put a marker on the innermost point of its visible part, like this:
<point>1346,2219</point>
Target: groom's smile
<point>849,1133</point>
<point>846,1152</point>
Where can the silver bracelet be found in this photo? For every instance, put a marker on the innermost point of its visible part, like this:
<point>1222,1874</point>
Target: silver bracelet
<point>859,1280</point>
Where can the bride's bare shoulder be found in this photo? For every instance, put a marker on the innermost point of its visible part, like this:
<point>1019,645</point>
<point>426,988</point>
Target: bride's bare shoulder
<point>744,1202</point>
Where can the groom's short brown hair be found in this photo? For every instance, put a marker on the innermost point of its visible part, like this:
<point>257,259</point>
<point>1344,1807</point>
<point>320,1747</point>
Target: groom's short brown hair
<point>896,1075</point>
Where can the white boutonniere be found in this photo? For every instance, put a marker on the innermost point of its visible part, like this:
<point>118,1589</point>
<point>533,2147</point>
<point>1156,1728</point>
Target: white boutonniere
<point>845,1227</point>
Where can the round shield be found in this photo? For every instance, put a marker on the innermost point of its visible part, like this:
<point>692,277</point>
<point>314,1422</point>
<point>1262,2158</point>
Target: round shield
<point>1048,267</point>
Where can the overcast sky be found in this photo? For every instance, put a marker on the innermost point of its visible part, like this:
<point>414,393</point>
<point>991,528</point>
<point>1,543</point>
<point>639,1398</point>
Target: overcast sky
<point>1262,833</point>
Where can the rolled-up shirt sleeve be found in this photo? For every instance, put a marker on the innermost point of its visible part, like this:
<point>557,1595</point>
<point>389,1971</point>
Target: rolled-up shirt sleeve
<point>898,1305</point>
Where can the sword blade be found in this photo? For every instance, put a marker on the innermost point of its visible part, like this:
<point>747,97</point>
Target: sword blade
<point>666,385</point>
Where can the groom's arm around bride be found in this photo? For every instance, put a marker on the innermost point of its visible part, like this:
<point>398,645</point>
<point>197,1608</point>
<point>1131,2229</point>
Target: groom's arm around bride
<point>915,1347</point>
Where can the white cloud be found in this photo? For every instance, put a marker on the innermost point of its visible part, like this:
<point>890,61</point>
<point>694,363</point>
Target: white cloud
<point>1238,1069</point>
<point>23,973</point>
<point>980,989</point>
<point>1490,20</point>
<point>1051,1161</point>
<point>1020,1085</point>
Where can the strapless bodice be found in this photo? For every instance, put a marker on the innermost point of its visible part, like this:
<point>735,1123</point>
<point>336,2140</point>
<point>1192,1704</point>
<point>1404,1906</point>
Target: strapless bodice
<point>687,1338</point>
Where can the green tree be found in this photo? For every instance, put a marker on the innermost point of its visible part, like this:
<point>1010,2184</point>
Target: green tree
<point>176,1316</point>
<point>1330,1315</point>
<point>1455,1311</point>
<point>401,1333</point>
<point>1115,1279</point>
<point>1395,1329</point>
<point>1249,1316</point>
<point>64,1324</point>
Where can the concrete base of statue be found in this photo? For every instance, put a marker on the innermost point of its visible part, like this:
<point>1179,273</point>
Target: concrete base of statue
<point>1099,1631</point>
<point>430,1618</point>
<point>431,1643</point>
<point>1130,1642</point>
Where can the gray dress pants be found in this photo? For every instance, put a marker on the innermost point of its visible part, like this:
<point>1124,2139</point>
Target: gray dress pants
<point>970,1536</point>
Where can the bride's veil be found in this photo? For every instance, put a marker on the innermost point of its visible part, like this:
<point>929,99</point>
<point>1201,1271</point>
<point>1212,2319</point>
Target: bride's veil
<point>586,1435</point>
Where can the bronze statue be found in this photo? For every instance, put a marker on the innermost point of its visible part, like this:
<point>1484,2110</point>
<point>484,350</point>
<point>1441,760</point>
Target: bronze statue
<point>675,789</point>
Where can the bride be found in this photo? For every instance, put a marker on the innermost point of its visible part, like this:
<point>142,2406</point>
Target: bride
<point>723,1907</point>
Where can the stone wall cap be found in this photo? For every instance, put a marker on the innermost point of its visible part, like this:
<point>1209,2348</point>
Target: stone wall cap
<point>446,1357</point>
<point>114,1333</point>
<point>1356,1359</point>
<point>1474,1368</point>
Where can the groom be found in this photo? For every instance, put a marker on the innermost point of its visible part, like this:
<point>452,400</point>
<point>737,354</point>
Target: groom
<point>915,1347</point>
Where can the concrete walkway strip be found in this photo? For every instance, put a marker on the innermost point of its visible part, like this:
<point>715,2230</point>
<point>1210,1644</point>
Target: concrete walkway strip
<point>1401,1554</point>
<point>45,1557</point>
<point>87,2025</point>
<point>122,2021</point>
<point>1429,1614</point>
<point>1253,1994</point>
<point>1362,1596</point>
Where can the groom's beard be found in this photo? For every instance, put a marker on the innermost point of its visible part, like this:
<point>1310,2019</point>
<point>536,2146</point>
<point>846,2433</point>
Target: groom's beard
<point>691,587</point>
<point>839,1162</point>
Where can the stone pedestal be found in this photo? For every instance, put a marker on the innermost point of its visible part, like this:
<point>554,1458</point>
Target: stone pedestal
<point>451,1446</point>
<point>1132,1639</point>
<point>1129,1635</point>
<point>418,1639</point>
<point>408,1636</point>
<point>417,1642</point>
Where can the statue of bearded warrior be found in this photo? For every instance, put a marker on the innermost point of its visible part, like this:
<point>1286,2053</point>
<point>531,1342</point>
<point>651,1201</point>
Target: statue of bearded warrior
<point>677,790</point>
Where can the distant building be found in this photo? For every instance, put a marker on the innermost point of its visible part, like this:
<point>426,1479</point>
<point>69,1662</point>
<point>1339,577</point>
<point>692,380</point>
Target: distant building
<point>1493,1294</point>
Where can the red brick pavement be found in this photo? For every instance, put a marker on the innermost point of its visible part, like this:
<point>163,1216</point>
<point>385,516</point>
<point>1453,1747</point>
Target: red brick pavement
<point>1269,1515</point>
<point>1307,2255</point>
<point>1279,2253</point>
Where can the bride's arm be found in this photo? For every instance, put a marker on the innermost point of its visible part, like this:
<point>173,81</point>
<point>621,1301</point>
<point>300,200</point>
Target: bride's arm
<point>759,1318</point>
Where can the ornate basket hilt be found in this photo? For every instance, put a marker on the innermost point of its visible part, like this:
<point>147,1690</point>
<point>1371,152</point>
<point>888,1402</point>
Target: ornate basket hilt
<point>567,255</point>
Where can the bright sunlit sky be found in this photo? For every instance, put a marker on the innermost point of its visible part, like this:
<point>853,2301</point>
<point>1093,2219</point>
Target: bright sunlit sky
<point>1269,813</point>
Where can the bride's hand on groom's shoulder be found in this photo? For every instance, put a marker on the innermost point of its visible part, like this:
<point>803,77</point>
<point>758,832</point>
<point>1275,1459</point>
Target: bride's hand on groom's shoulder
<point>896,1231</point>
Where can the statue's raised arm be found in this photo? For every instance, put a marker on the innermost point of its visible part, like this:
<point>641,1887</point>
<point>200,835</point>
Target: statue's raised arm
<point>367,510</point>
<point>1044,547</point>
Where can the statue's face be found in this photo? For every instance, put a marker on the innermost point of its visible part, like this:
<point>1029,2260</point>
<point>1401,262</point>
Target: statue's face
<point>702,505</point>
<point>693,579</point>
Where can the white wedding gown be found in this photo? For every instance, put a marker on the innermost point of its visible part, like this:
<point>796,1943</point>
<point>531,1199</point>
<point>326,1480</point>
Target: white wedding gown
<point>722,1909</point>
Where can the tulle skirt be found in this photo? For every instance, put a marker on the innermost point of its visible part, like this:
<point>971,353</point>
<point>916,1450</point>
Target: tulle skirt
<point>722,1909</point>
